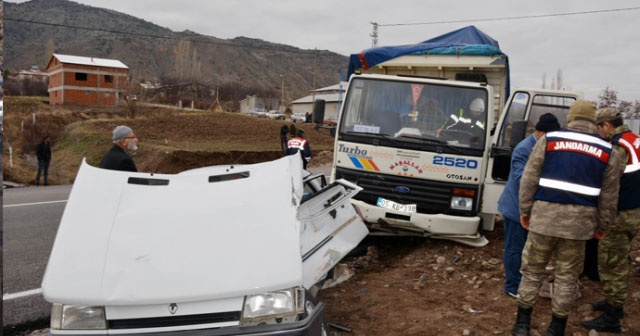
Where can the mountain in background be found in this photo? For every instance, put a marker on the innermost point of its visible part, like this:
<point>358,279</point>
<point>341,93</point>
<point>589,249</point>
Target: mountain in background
<point>34,30</point>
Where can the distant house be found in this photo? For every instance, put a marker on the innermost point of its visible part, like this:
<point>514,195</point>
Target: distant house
<point>86,80</point>
<point>33,74</point>
<point>332,95</point>
<point>253,102</point>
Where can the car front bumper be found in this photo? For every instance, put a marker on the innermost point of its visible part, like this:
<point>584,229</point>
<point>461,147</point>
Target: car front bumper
<point>312,325</point>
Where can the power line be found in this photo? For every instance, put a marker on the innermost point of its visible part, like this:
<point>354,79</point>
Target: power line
<point>511,17</point>
<point>202,38</point>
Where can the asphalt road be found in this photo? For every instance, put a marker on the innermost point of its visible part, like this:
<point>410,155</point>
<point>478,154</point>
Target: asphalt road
<point>30,221</point>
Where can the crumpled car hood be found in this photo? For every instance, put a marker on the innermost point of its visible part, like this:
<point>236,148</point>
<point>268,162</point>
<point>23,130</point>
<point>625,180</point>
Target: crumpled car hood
<point>146,238</point>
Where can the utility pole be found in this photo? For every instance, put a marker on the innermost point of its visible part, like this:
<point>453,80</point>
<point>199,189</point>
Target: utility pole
<point>282,102</point>
<point>374,35</point>
<point>313,89</point>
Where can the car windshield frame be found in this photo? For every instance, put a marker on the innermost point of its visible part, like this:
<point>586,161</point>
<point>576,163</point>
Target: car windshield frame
<point>409,106</point>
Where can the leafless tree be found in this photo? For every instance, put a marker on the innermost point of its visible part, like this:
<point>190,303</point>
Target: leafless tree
<point>131,96</point>
<point>49,49</point>
<point>608,98</point>
<point>625,108</point>
<point>187,65</point>
<point>636,109</point>
<point>559,80</point>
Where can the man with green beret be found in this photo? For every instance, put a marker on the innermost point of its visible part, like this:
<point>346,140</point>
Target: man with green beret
<point>613,250</point>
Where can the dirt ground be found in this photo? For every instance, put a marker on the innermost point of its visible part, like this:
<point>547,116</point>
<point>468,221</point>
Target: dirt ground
<point>415,286</point>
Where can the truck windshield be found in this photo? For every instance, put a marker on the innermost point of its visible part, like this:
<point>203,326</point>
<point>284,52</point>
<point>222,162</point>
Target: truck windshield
<point>407,110</point>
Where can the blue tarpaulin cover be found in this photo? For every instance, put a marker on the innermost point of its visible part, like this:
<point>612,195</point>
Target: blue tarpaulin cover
<point>464,41</point>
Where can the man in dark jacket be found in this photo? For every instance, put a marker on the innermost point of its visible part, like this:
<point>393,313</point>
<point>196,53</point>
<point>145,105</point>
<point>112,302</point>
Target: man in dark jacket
<point>43,152</point>
<point>119,157</point>
<point>514,234</point>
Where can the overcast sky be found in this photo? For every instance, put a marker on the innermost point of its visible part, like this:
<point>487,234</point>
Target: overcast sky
<point>593,51</point>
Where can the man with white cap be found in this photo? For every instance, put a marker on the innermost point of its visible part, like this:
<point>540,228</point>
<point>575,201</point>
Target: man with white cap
<point>120,157</point>
<point>472,123</point>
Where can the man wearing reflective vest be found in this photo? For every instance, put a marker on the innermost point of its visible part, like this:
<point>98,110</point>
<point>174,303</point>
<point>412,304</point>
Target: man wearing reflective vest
<point>299,144</point>
<point>613,250</point>
<point>568,194</point>
<point>472,122</point>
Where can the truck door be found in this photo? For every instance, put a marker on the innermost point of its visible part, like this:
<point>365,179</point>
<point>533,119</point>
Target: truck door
<point>522,112</point>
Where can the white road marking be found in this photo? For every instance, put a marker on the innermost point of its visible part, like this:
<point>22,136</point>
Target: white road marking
<point>7,297</point>
<point>27,204</point>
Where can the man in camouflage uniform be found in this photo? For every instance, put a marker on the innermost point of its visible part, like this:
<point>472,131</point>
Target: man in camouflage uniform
<point>613,250</point>
<point>568,194</point>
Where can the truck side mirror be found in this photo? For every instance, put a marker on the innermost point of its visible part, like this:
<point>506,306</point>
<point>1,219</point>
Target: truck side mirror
<point>518,130</point>
<point>318,111</point>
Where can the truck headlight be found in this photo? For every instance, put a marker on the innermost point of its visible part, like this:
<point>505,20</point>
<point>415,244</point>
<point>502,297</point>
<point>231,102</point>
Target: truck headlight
<point>461,203</point>
<point>462,199</point>
<point>77,317</point>
<point>273,305</point>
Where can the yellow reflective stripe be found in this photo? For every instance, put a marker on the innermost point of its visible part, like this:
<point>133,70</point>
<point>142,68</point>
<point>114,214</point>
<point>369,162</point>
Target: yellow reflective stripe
<point>573,187</point>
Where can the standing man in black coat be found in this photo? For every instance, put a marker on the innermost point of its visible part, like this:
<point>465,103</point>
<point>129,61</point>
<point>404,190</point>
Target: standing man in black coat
<point>43,152</point>
<point>120,156</point>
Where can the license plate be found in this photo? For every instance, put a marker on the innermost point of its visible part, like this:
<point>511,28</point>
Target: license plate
<point>385,203</point>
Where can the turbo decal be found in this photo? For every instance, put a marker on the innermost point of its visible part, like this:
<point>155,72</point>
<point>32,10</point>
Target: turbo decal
<point>359,157</point>
<point>352,150</point>
<point>363,163</point>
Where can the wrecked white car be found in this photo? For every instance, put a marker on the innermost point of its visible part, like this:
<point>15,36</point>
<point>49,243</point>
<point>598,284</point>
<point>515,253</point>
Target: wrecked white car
<point>224,250</point>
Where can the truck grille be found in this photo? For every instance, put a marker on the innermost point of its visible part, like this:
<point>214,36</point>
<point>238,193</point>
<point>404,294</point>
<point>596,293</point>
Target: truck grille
<point>431,197</point>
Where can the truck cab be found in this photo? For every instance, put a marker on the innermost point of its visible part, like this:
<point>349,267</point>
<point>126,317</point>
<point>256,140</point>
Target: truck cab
<point>421,177</point>
<point>427,131</point>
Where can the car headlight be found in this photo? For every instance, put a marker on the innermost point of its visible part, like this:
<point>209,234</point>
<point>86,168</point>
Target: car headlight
<point>461,203</point>
<point>77,317</point>
<point>273,305</point>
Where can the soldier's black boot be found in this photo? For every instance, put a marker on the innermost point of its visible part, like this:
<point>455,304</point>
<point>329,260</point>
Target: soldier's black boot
<point>523,322</point>
<point>602,306</point>
<point>609,321</point>
<point>557,326</point>
<point>599,305</point>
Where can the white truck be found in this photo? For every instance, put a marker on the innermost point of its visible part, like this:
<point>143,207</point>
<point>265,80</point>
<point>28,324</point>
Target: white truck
<point>224,250</point>
<point>420,177</point>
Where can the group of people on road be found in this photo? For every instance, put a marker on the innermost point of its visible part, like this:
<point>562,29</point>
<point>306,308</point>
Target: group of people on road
<point>567,186</point>
<point>125,144</point>
<point>119,157</point>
